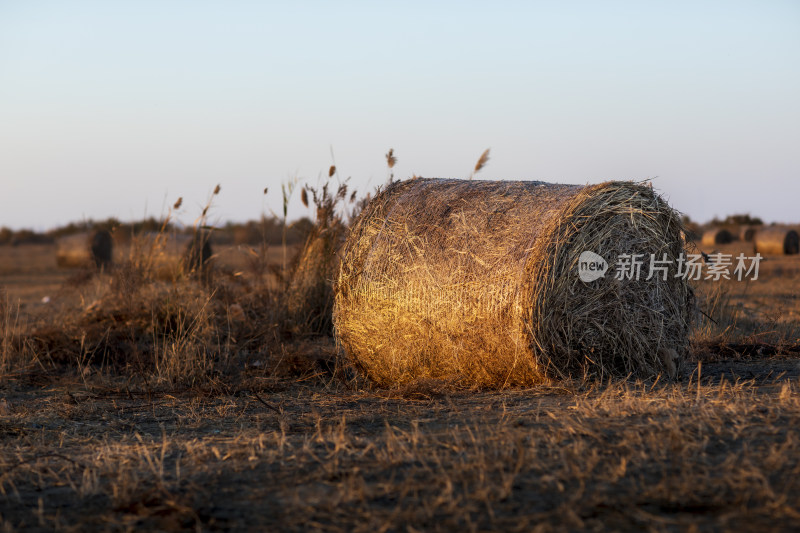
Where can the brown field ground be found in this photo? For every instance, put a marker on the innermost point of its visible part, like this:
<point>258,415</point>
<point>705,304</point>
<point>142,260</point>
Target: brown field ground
<point>129,403</point>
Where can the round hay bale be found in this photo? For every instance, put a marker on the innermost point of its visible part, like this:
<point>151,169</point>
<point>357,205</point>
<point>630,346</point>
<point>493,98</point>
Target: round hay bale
<point>169,255</point>
<point>716,236</point>
<point>776,240</point>
<point>479,280</point>
<point>85,249</point>
<point>310,292</point>
<point>747,232</point>
<point>72,251</point>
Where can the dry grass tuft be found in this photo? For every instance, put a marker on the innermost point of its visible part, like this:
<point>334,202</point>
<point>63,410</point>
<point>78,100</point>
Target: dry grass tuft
<point>477,280</point>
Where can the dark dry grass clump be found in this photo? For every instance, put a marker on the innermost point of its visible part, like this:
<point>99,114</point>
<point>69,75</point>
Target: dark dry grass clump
<point>478,279</point>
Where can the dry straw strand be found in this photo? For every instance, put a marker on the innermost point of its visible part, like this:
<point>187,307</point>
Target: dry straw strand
<point>482,160</point>
<point>477,280</point>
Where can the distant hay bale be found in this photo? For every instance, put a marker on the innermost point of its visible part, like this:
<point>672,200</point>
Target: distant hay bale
<point>310,294</point>
<point>85,249</point>
<point>169,255</point>
<point>776,240</point>
<point>715,236</point>
<point>747,232</point>
<point>479,280</point>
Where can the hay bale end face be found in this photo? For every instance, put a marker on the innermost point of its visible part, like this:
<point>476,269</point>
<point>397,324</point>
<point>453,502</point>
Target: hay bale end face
<point>479,280</point>
<point>747,233</point>
<point>102,248</point>
<point>716,236</point>
<point>777,240</point>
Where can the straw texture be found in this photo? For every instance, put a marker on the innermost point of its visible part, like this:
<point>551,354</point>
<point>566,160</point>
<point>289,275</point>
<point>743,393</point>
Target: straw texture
<point>478,280</point>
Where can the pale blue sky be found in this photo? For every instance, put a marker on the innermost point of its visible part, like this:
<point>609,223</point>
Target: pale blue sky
<point>116,108</point>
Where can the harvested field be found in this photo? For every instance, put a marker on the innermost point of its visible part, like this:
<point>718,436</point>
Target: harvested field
<point>263,432</point>
<point>714,453</point>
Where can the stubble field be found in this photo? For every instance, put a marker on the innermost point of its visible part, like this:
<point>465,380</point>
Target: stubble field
<point>131,404</point>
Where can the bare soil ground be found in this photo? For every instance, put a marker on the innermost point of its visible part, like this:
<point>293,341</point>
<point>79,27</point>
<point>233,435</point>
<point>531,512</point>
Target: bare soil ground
<point>90,447</point>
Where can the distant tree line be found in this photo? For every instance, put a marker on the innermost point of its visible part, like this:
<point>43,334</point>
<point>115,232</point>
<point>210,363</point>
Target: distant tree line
<point>267,230</point>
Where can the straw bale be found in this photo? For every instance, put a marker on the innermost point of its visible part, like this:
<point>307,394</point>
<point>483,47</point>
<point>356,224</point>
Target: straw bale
<point>776,240</point>
<point>478,280</point>
<point>747,232</point>
<point>716,236</point>
<point>310,294</point>
<point>169,255</point>
<point>85,249</point>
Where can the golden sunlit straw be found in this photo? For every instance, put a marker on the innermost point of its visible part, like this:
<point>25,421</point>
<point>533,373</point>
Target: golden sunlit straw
<point>478,280</point>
